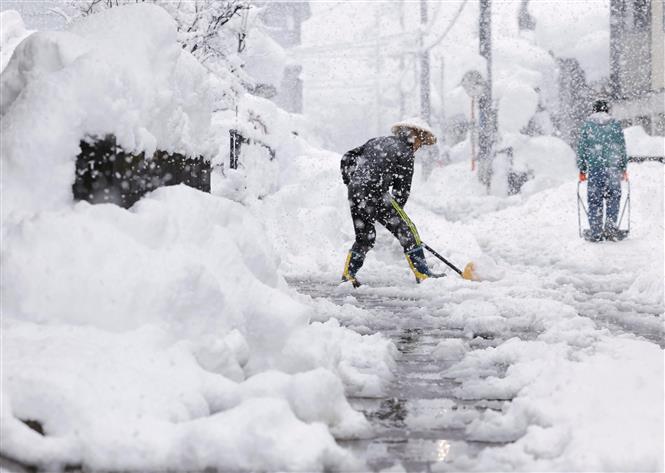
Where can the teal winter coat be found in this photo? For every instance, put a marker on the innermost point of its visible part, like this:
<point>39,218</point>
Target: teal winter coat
<point>601,145</point>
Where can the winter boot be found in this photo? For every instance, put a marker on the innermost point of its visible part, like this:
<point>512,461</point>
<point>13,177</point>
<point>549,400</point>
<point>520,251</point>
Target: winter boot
<point>354,262</point>
<point>418,264</point>
<point>588,236</point>
<point>611,232</point>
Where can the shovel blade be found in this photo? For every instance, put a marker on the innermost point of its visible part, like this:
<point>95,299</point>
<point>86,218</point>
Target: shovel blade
<point>469,272</point>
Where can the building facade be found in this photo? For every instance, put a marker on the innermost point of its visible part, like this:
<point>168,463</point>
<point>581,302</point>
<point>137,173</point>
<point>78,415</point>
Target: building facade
<point>637,80</point>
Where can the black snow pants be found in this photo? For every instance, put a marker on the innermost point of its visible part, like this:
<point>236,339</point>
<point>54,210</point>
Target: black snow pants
<point>367,209</point>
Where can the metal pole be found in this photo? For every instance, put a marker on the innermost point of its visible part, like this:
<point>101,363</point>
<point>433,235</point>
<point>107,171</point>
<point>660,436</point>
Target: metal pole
<point>472,133</point>
<point>442,112</point>
<point>402,96</point>
<point>617,33</point>
<point>486,118</point>
<point>425,110</point>
<point>234,154</point>
<point>377,73</point>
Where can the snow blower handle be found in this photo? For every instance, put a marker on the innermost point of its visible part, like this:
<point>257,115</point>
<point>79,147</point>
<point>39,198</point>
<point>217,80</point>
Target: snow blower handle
<point>455,268</point>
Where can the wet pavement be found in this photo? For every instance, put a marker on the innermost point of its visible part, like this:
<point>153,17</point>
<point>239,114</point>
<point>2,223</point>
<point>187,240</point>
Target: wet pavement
<point>420,422</point>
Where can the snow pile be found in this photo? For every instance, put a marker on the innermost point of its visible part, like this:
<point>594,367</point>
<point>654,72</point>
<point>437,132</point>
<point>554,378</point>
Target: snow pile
<point>163,332</point>
<point>266,127</point>
<point>118,72</point>
<point>450,349</point>
<point>586,37</point>
<point>12,32</point>
<point>309,218</point>
<point>163,411</point>
<point>486,269</point>
<point>525,91</point>
<point>557,420</point>
<point>549,160</point>
<point>526,88</point>
<point>197,268</point>
<point>639,143</point>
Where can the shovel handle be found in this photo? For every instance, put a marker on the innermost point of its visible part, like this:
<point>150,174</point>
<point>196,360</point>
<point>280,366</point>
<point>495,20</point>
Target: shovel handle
<point>455,268</point>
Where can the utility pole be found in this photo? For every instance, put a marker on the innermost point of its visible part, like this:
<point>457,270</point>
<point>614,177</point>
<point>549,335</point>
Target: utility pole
<point>442,112</point>
<point>524,19</point>
<point>377,74</point>
<point>617,38</point>
<point>425,110</point>
<point>402,96</point>
<point>486,118</point>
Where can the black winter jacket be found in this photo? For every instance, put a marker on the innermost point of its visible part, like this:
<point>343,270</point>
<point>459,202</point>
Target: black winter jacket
<point>371,170</point>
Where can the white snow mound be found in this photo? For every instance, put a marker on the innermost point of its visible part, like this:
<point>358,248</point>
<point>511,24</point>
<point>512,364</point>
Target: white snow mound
<point>12,32</point>
<point>118,72</point>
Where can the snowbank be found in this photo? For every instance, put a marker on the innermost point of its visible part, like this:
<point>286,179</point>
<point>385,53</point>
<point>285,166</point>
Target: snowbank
<point>549,161</point>
<point>118,72</point>
<point>639,143</point>
<point>163,411</point>
<point>558,420</point>
<point>162,336</point>
<point>268,128</point>
<point>195,269</point>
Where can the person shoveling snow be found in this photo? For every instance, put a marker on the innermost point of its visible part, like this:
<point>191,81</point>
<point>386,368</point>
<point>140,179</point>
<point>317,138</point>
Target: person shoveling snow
<point>378,178</point>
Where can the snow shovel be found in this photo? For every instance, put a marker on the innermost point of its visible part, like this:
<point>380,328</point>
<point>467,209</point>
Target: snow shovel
<point>586,232</point>
<point>468,272</point>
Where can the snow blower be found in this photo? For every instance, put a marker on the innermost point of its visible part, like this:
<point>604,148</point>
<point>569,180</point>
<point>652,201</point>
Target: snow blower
<point>468,272</point>
<point>585,232</point>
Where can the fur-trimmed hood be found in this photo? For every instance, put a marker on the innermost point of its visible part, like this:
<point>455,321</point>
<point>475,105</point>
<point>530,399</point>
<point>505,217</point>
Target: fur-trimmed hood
<point>417,124</point>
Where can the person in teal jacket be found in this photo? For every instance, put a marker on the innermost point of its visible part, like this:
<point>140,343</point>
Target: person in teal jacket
<point>602,159</point>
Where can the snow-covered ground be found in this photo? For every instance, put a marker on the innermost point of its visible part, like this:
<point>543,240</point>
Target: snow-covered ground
<point>586,384</point>
<point>163,337</point>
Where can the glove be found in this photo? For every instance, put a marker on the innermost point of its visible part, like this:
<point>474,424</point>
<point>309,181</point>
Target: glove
<point>582,177</point>
<point>625,176</point>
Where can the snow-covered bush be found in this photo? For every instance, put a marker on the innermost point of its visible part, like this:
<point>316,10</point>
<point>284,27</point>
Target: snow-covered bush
<point>119,72</point>
<point>268,129</point>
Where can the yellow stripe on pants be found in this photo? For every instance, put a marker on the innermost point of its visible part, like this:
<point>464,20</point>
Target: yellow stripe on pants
<point>346,273</point>
<point>407,220</point>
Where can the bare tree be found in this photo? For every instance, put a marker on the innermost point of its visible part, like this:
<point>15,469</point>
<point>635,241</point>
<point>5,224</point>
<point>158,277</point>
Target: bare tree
<point>200,23</point>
